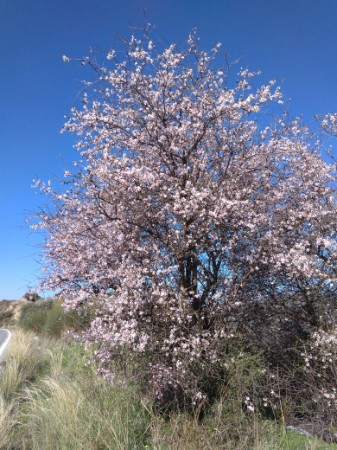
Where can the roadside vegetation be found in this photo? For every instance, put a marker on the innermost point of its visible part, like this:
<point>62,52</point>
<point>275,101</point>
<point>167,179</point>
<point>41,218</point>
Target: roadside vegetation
<point>47,317</point>
<point>194,242</point>
<point>52,398</point>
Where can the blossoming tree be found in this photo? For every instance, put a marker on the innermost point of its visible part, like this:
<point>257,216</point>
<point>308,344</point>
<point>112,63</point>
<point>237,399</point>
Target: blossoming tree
<point>187,200</point>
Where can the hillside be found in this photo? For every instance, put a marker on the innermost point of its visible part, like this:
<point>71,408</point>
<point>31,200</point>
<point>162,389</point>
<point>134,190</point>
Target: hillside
<point>10,312</point>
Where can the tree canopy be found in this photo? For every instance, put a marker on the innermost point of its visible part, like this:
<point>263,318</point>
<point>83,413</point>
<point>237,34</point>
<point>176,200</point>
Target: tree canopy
<point>189,199</point>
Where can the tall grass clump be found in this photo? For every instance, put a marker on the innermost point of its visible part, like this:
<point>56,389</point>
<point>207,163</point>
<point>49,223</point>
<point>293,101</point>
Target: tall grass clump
<point>96,416</point>
<point>27,360</point>
<point>7,422</point>
<point>50,398</point>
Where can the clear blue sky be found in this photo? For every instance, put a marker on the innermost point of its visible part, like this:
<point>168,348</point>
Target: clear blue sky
<point>292,41</point>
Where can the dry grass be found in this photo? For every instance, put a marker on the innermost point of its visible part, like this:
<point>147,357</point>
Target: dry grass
<point>50,400</point>
<point>10,312</point>
<point>7,422</point>
<point>94,420</point>
<point>27,358</point>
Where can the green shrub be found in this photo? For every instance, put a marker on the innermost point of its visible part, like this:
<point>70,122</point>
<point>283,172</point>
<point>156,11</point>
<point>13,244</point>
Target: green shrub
<point>34,315</point>
<point>49,318</point>
<point>54,323</point>
<point>79,321</point>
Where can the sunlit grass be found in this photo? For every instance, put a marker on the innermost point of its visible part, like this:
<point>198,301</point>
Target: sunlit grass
<point>51,399</point>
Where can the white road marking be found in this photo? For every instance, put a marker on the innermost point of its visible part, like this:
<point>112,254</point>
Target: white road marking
<point>5,342</point>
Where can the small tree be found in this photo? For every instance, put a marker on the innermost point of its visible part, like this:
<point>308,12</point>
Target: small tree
<point>187,202</point>
<point>31,296</point>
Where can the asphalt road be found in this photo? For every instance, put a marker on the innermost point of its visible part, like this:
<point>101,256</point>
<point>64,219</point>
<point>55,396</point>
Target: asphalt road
<point>5,336</point>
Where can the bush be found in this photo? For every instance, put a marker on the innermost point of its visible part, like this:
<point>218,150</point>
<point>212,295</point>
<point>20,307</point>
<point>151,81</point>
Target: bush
<point>31,296</point>
<point>34,315</point>
<point>315,384</point>
<point>49,318</point>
